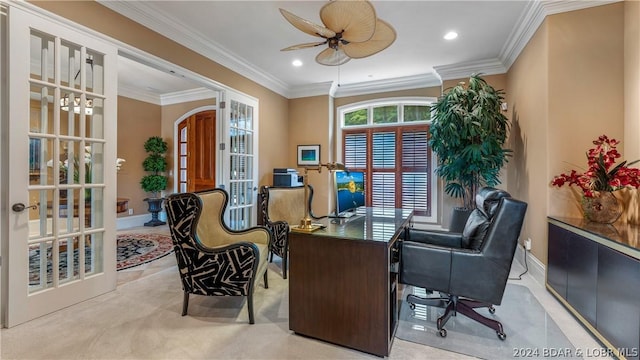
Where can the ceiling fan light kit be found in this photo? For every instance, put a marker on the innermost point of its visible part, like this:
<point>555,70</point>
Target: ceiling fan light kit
<point>351,31</point>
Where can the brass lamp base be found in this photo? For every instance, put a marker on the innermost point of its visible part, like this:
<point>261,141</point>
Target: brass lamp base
<point>310,229</point>
<point>306,226</point>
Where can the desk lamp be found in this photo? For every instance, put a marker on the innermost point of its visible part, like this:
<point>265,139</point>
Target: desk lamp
<point>305,223</point>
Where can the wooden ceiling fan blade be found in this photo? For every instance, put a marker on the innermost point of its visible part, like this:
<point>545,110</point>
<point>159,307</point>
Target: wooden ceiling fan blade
<point>306,25</point>
<point>332,57</point>
<point>304,46</point>
<point>356,20</point>
<point>384,36</point>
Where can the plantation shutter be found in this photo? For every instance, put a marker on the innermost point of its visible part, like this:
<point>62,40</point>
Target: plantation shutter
<point>383,182</point>
<point>397,163</point>
<point>355,151</point>
<point>415,170</point>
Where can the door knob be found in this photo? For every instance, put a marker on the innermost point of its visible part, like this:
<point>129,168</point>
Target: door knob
<point>20,207</point>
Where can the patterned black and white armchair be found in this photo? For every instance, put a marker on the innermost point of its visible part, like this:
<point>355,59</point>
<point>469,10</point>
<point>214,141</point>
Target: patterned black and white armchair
<point>214,260</point>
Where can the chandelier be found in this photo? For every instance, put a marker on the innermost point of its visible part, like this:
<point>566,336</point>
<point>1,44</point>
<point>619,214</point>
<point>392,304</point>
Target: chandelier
<point>88,105</point>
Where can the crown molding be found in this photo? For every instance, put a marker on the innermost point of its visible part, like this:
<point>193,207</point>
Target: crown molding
<point>177,97</point>
<point>147,15</point>
<point>532,17</point>
<point>187,95</point>
<point>466,69</point>
<point>316,89</point>
<point>386,85</point>
<point>136,94</point>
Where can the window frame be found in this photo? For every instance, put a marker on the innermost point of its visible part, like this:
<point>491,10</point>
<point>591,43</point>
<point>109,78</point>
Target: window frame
<point>400,102</point>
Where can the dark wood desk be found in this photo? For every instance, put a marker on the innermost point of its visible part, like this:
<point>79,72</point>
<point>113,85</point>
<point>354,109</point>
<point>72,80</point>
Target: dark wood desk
<point>343,282</point>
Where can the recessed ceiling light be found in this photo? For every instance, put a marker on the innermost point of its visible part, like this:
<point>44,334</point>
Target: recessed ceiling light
<point>451,35</point>
<point>297,63</point>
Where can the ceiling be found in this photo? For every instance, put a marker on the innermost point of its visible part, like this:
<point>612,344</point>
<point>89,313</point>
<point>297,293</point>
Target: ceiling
<point>246,36</point>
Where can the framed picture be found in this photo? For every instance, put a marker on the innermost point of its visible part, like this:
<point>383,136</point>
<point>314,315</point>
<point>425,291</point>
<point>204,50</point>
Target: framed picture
<point>308,155</point>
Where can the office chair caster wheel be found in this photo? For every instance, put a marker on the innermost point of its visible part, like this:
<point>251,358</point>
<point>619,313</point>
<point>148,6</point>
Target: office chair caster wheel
<point>442,332</point>
<point>492,310</point>
<point>501,335</point>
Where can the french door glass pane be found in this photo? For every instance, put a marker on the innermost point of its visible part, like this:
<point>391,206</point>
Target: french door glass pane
<point>41,108</point>
<point>42,55</point>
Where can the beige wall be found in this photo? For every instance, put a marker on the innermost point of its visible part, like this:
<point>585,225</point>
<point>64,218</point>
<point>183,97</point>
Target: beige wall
<point>527,101</point>
<point>632,79</point>
<point>309,125</point>
<point>137,121</point>
<point>565,89</point>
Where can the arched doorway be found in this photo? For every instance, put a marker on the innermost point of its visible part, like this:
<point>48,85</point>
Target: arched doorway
<point>197,152</point>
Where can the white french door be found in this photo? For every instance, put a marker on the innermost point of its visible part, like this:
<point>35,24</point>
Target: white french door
<point>241,159</point>
<point>62,183</point>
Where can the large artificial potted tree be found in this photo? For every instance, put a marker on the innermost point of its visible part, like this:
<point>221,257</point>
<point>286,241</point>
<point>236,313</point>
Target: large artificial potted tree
<point>156,181</point>
<point>468,132</point>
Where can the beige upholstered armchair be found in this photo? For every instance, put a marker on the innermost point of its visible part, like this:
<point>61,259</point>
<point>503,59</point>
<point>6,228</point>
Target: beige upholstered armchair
<point>212,259</point>
<point>281,207</point>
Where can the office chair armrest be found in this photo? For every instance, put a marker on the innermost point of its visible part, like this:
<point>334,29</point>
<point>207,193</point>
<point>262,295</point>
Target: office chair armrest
<point>434,237</point>
<point>425,265</point>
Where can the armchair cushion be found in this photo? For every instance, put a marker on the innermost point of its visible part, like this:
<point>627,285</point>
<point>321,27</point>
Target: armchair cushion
<point>213,233</point>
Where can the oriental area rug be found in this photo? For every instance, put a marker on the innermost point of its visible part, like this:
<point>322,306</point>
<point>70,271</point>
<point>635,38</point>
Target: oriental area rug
<point>529,329</point>
<point>133,249</point>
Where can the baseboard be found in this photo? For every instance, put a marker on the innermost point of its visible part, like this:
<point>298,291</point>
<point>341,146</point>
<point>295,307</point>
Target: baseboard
<point>132,221</point>
<point>535,266</point>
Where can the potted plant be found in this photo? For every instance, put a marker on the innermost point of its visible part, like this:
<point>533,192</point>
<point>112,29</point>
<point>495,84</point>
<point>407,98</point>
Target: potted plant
<point>156,181</point>
<point>468,133</point>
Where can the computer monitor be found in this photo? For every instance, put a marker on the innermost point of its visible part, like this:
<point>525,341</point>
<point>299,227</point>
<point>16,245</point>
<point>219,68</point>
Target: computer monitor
<point>349,191</point>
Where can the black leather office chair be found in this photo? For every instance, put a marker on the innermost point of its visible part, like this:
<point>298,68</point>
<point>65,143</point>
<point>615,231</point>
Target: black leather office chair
<point>470,269</point>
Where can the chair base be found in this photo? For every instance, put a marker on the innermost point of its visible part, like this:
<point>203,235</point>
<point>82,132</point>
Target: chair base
<point>185,303</point>
<point>454,305</point>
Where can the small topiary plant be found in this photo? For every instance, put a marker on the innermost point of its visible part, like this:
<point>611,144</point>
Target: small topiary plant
<point>156,164</point>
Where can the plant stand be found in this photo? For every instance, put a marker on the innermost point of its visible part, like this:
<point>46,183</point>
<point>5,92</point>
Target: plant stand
<point>155,206</point>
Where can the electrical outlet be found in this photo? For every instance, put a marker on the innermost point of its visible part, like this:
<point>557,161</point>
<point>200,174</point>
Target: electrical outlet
<point>130,211</point>
<point>527,244</point>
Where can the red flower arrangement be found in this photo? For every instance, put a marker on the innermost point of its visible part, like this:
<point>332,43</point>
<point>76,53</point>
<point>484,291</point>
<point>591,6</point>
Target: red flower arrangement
<point>600,176</point>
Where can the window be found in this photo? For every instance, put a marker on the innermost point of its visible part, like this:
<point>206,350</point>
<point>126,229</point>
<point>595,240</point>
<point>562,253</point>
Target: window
<point>389,142</point>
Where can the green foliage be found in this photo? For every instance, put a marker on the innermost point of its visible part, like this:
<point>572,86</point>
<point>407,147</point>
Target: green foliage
<point>385,114</point>
<point>155,145</point>
<point>417,113</point>
<point>153,183</point>
<point>468,133</point>
<point>156,164</point>
<point>358,117</point>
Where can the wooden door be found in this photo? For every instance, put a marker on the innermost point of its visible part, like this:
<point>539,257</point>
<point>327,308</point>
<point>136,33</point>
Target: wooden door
<point>197,152</point>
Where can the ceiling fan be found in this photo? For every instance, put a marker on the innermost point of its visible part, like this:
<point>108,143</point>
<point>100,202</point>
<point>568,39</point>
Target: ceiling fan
<point>351,30</point>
